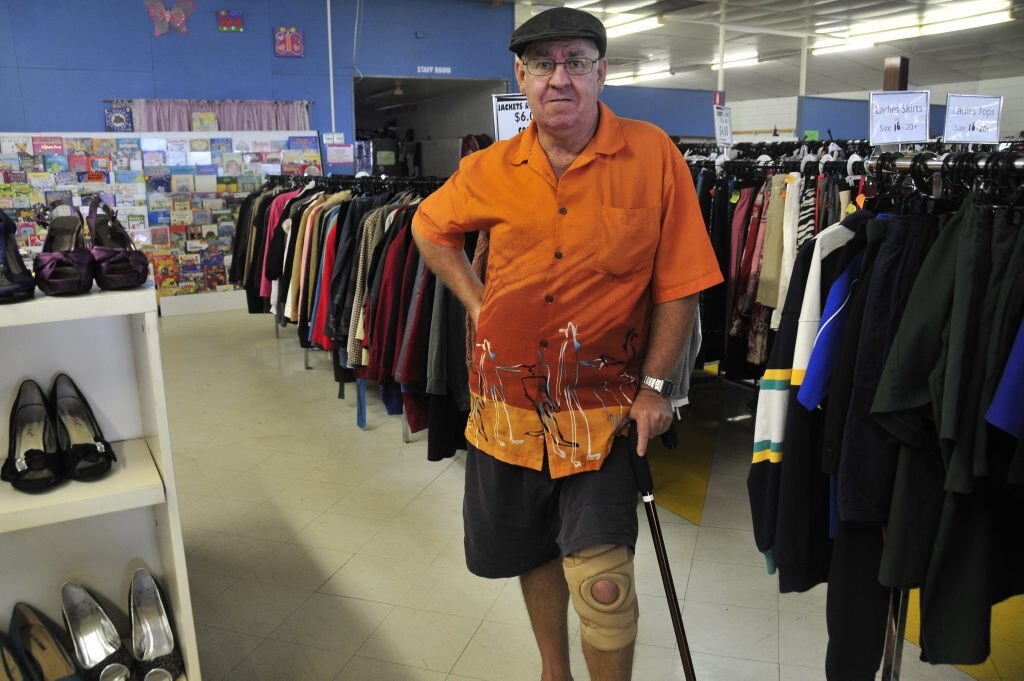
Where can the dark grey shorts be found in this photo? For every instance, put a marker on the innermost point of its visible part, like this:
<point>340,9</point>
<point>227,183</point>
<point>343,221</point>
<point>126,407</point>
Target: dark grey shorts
<point>518,519</point>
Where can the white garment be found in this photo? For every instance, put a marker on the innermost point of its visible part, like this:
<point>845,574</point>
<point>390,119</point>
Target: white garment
<point>790,222</point>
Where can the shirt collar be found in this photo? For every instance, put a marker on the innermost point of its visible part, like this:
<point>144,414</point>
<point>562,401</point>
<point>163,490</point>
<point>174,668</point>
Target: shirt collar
<point>607,140</point>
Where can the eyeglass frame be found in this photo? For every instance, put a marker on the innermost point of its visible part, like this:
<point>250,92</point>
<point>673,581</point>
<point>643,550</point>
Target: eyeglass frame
<point>556,64</point>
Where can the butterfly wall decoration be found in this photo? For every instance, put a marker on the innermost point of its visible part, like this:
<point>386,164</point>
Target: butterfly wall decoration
<point>164,18</point>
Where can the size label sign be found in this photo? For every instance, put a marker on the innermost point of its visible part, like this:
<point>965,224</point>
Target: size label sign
<point>899,117</point>
<point>512,115</point>
<point>723,126</point>
<point>973,118</point>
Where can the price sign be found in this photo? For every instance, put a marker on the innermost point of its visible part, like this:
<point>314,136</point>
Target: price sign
<point>723,126</point>
<point>512,115</point>
<point>899,116</point>
<point>972,118</point>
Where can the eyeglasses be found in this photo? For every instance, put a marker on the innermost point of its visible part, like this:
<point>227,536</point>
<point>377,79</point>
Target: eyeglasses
<point>576,66</point>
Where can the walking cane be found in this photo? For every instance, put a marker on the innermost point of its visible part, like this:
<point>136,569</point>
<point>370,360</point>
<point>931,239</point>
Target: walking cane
<point>645,484</point>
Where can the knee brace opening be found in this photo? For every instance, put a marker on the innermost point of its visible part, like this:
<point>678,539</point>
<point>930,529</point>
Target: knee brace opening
<point>608,589</point>
<point>608,625</point>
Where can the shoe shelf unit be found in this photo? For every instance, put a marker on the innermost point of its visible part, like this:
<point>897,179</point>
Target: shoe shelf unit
<point>96,533</point>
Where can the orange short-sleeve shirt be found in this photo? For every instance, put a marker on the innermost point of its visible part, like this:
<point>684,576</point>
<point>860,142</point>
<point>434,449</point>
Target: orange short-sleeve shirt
<point>574,268</point>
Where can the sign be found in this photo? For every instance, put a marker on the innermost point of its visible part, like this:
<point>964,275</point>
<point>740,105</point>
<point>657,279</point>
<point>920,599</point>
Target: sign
<point>899,116</point>
<point>340,153</point>
<point>972,118</point>
<point>723,126</point>
<point>435,70</point>
<point>512,115</point>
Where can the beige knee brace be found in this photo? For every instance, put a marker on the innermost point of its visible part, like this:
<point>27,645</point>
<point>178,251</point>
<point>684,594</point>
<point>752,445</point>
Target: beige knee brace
<point>605,626</point>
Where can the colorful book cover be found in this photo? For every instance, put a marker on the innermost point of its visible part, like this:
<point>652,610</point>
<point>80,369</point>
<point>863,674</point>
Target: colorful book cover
<point>160,236</point>
<point>304,143</point>
<point>103,146</point>
<point>100,164</point>
<point>178,146</point>
<point>202,217</point>
<point>121,160</point>
<point>10,162</point>
<point>129,176</point>
<point>181,202</point>
<point>181,217</point>
<point>65,178</point>
<point>59,196</point>
<point>41,179</point>
<point>136,221</point>
<point>195,246</point>
<point>95,176</point>
<point>216,278</point>
<point>17,176</point>
<point>159,217</point>
<point>232,163</point>
<point>158,179</point>
<point>205,121</point>
<point>221,144</point>
<point>159,201</point>
<point>47,145</point>
<point>36,163</point>
<point>78,163</point>
<point>208,232</point>
<point>16,144</point>
<point>56,163</point>
<point>291,168</point>
<point>176,158</point>
<point>166,271</point>
<point>179,235</point>
<point>130,144</point>
<point>183,184</point>
<point>153,143</point>
<point>183,169</point>
<point>81,146</point>
<point>261,146</point>
<point>153,158</point>
<point>292,156</point>
<point>199,144</point>
<point>141,237</point>
<point>248,183</point>
<point>225,228</point>
<point>227,183</point>
<point>199,158</point>
<point>214,206</point>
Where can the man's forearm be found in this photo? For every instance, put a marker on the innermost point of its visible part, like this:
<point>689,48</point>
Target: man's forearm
<point>455,270</point>
<point>671,324</point>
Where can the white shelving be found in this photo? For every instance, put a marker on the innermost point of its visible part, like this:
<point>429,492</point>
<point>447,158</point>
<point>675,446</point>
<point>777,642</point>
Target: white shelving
<point>96,533</point>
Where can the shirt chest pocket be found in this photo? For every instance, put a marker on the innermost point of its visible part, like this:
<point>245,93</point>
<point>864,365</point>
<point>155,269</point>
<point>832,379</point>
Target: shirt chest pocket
<point>627,240</point>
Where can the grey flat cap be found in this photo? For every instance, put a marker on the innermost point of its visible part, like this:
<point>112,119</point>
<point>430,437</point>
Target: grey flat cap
<point>558,24</point>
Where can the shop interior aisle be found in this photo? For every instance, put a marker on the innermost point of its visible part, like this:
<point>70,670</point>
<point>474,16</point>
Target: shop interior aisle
<point>317,551</point>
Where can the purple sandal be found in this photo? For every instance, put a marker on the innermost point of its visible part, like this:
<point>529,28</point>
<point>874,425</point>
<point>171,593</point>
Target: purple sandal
<point>65,266</point>
<point>118,264</point>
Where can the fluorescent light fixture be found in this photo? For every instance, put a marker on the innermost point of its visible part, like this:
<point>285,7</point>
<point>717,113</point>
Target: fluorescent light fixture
<point>631,79</point>
<point>956,17</point>
<point>739,59</point>
<point>577,4</point>
<point>635,27</point>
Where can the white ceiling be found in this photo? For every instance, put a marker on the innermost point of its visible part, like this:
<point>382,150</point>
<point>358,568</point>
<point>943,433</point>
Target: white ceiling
<point>688,47</point>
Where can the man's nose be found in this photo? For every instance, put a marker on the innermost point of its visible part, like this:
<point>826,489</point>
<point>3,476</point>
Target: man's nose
<point>560,76</point>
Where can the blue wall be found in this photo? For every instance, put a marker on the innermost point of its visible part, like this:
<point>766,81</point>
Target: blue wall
<point>59,58</point>
<point>677,112</point>
<point>849,118</point>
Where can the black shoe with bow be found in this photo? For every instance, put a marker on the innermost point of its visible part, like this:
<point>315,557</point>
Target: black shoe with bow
<point>33,455</point>
<point>86,454</point>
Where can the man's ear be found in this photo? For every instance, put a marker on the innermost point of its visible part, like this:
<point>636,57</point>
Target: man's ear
<point>520,73</point>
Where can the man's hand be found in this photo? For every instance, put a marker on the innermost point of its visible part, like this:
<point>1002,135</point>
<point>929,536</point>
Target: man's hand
<point>651,415</point>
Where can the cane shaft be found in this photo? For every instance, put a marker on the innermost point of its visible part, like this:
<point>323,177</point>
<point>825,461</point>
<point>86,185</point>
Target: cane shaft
<point>670,591</point>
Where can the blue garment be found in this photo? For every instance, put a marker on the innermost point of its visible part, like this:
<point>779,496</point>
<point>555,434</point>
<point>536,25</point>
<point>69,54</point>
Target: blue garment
<point>1006,412</point>
<point>830,336</point>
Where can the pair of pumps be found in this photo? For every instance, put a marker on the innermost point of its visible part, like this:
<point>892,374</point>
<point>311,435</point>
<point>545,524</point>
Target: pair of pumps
<point>37,650</point>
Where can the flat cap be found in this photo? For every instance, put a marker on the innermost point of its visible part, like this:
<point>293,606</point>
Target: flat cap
<point>559,23</point>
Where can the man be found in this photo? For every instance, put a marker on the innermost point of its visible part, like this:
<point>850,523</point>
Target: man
<point>597,253</point>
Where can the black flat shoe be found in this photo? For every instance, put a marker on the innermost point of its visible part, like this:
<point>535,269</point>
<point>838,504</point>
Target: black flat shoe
<point>16,282</point>
<point>33,454</point>
<point>42,646</point>
<point>11,668</point>
<point>86,454</point>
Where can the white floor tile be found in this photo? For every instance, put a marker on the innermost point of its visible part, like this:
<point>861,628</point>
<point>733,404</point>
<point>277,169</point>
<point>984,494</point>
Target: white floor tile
<point>300,567</point>
<point>250,607</point>
<point>732,631</point>
<point>220,651</point>
<point>454,592</point>
<point>282,661</point>
<point>333,623</point>
<point>365,669</point>
<point>728,546</point>
<point>804,637</point>
<point>231,555</point>
<point>310,495</point>
<point>418,638</point>
<point>730,584</point>
<point>500,652</point>
<point>375,578</point>
<point>274,523</point>
<point>338,532</point>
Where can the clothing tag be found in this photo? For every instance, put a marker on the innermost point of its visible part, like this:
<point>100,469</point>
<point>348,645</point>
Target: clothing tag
<point>859,201</point>
<point>735,197</point>
<point>851,209</point>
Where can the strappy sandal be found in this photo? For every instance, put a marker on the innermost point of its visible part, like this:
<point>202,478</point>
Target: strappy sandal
<point>157,658</point>
<point>85,452</point>
<point>65,267</point>
<point>15,280</point>
<point>119,265</point>
<point>98,646</point>
<point>41,645</point>
<point>33,455</point>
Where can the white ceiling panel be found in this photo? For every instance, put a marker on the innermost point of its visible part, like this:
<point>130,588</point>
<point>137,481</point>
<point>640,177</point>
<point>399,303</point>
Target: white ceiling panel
<point>688,42</point>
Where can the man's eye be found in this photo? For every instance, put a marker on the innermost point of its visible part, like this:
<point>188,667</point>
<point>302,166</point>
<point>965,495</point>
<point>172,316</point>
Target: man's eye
<point>543,64</point>
<point>574,63</point>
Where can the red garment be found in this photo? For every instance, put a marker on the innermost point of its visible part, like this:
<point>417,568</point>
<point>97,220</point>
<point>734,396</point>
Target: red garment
<point>273,217</point>
<point>324,304</point>
<point>386,309</point>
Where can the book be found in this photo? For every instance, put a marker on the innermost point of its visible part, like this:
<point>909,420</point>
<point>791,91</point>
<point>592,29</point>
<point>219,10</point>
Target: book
<point>206,184</point>
<point>166,271</point>
<point>209,232</point>
<point>160,236</point>
<point>100,164</point>
<point>214,205</point>
<point>198,158</point>
<point>179,234</point>
<point>10,162</point>
<point>159,201</point>
<point>183,184</point>
<point>47,145</point>
<point>181,217</point>
<point>226,228</point>
<point>176,152</point>
<point>81,146</point>
<point>216,278</point>
<point>153,143</point>
<point>59,196</point>
<point>129,176</point>
<point>103,146</point>
<point>16,144</point>
<point>78,163</point>
<point>153,158</point>
<point>158,179</point>
<point>121,160</point>
<point>195,246</point>
<point>204,121</point>
<point>304,143</point>
<point>199,144</point>
<point>159,217</point>
<point>181,203</point>
<point>65,178</point>
<point>227,183</point>
<point>140,237</point>
<point>202,217</point>
<point>232,163</point>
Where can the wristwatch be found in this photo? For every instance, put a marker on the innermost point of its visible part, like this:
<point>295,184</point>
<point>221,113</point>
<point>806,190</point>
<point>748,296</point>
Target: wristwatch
<point>661,386</point>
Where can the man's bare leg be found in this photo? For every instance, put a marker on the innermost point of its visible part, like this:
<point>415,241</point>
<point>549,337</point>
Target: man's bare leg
<point>547,600</point>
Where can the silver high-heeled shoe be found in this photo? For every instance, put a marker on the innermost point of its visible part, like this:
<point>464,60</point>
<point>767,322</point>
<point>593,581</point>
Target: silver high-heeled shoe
<point>152,637</point>
<point>97,644</point>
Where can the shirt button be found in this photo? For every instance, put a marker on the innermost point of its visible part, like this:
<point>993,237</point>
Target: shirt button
<point>563,211</point>
<point>549,298</point>
<point>558,255</point>
<point>543,343</point>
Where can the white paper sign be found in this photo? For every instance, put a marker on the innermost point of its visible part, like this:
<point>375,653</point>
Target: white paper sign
<point>899,116</point>
<point>340,153</point>
<point>723,126</point>
<point>512,115</point>
<point>972,118</point>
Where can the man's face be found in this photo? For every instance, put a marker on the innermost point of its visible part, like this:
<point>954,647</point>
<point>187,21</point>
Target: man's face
<point>560,102</point>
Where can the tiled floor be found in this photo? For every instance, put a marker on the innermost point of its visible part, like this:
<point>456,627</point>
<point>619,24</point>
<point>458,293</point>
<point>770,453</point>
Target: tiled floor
<point>318,551</point>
